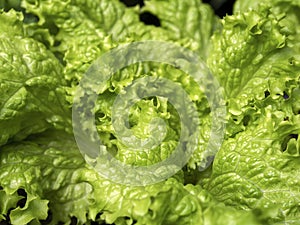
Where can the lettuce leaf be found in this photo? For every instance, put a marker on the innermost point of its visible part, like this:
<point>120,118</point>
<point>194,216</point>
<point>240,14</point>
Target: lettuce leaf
<point>251,59</point>
<point>56,179</point>
<point>258,169</point>
<point>286,10</point>
<point>82,21</point>
<point>32,84</point>
<point>49,45</point>
<point>193,20</point>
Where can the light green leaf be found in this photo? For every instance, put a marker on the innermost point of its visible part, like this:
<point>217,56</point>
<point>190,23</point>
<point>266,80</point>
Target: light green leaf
<point>52,170</point>
<point>259,168</point>
<point>250,58</point>
<point>35,209</point>
<point>7,201</point>
<point>185,19</point>
<point>77,22</point>
<point>287,11</point>
<point>32,95</point>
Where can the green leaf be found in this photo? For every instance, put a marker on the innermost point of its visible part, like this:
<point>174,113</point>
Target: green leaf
<point>77,22</point>
<point>287,11</point>
<point>192,20</point>
<point>258,169</point>
<point>250,58</point>
<point>31,84</point>
<point>35,209</point>
<point>51,170</point>
<point>7,201</point>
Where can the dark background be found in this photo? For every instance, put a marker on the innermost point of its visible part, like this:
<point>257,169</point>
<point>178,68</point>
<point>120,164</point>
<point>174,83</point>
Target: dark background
<point>221,8</point>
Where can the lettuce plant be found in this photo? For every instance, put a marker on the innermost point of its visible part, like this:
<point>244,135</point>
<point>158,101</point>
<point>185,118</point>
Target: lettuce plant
<point>46,48</point>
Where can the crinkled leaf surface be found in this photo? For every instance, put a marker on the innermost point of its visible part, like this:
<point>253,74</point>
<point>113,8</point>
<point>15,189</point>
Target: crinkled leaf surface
<point>185,19</point>
<point>259,168</point>
<point>286,10</point>
<point>76,22</point>
<point>51,170</point>
<point>251,60</point>
<point>31,80</point>
<point>254,55</point>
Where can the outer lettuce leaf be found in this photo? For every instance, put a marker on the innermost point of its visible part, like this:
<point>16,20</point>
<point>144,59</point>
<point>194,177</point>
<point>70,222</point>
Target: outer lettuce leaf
<point>282,5</point>
<point>286,10</point>
<point>34,209</point>
<point>259,168</point>
<point>250,58</point>
<point>64,21</point>
<point>7,202</point>
<point>117,20</point>
<point>51,169</point>
<point>78,32</point>
<point>32,95</point>
<point>78,22</point>
<point>185,19</point>
<point>45,173</point>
